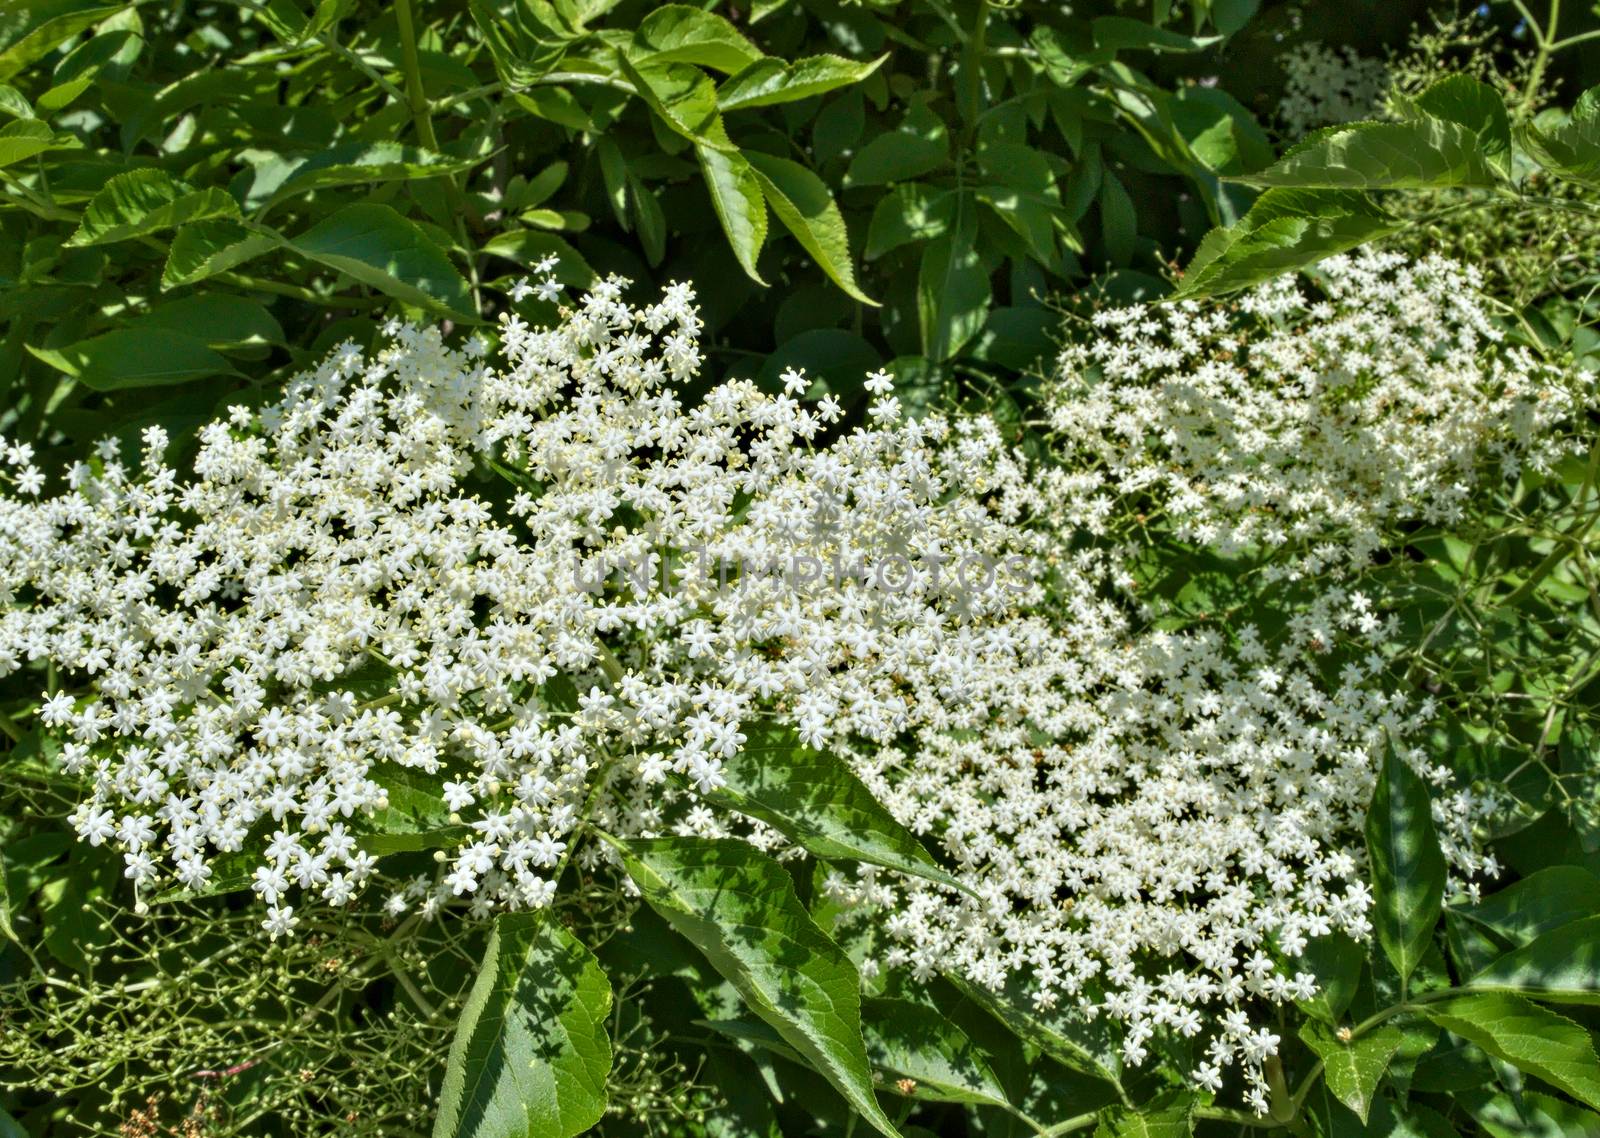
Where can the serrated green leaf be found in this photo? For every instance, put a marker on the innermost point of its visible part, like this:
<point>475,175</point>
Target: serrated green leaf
<point>1171,1118</point>
<point>1569,150</point>
<point>918,146</point>
<point>13,103</point>
<point>677,33</point>
<point>683,98</point>
<point>46,36</point>
<point>1476,106</point>
<point>203,249</point>
<point>1537,904</point>
<point>1408,870</point>
<point>531,1054</point>
<point>910,211</point>
<point>1284,230</point>
<point>911,1041</point>
<point>740,909</point>
<point>1563,965</point>
<point>373,244</point>
<point>1529,1115</point>
<point>1533,1039</point>
<point>802,202</point>
<point>769,81</point>
<point>24,138</point>
<point>814,799</point>
<point>141,202</point>
<point>736,196</point>
<point>1353,1070</point>
<point>136,357</point>
<point>362,163</point>
<point>527,44</point>
<point>1061,1033</point>
<point>217,319</point>
<point>1418,154</point>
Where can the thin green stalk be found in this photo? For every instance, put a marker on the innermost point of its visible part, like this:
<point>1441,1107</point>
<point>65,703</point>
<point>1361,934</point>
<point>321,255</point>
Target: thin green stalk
<point>1541,60</point>
<point>1564,541</point>
<point>1574,40</point>
<point>416,97</point>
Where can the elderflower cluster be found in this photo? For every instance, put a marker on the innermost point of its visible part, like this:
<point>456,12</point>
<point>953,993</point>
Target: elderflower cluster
<point>505,596</point>
<point>1324,87</point>
<point>1303,426</point>
<point>543,587</point>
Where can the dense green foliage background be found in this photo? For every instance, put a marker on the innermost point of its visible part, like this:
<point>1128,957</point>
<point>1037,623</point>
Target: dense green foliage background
<point>197,199</point>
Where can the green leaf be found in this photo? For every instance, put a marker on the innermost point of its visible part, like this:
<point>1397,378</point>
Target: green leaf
<point>23,139</point>
<point>736,195</point>
<point>1219,130</point>
<point>1119,33</point>
<point>203,249</point>
<point>362,163</point>
<point>1533,1039</point>
<point>7,904</point>
<point>677,33</point>
<point>374,245</point>
<point>683,97</point>
<point>1061,1033</point>
<point>1563,965</point>
<point>1353,1070</point>
<point>1171,1118</point>
<point>1529,1115</point>
<point>1284,230</point>
<point>769,81</point>
<point>9,1126</point>
<point>526,45</point>
<point>141,202</point>
<point>1119,224</point>
<point>919,145</point>
<point>1570,150</point>
<point>218,319</point>
<point>1408,871</point>
<point>531,1054</point>
<point>14,103</point>
<point>1538,903</point>
<point>1419,154</point>
<point>1462,99</point>
<point>802,202</point>
<point>916,1042</point>
<point>814,798</point>
<point>740,909</point>
<point>46,36</point>
<point>136,357</point>
<point>649,219</point>
<point>528,247</point>
<point>1063,67</point>
<point>1335,960</point>
<point>953,295</point>
<point>911,211</point>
